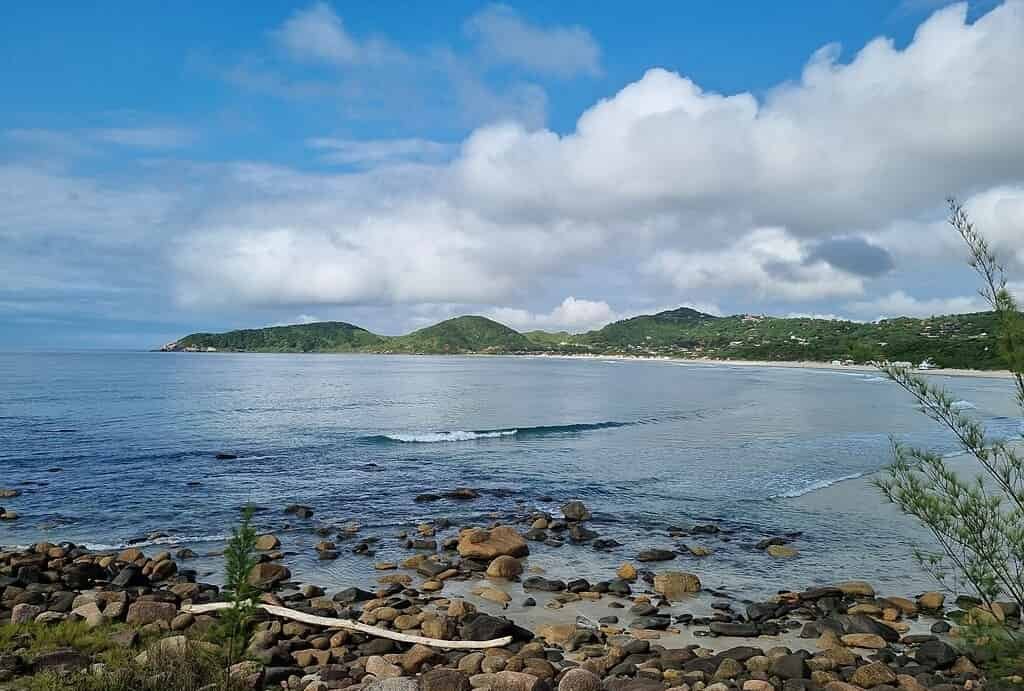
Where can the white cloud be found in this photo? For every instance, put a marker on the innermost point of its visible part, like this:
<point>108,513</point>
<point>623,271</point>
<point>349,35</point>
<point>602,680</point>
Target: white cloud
<point>848,146</point>
<point>701,191</point>
<point>317,33</point>
<point>573,314</point>
<point>769,261</point>
<point>377,151</point>
<point>675,193</point>
<point>900,304</point>
<point>505,37</point>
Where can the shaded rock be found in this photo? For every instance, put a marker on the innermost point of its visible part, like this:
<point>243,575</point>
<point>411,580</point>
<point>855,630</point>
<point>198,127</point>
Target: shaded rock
<point>737,629</point>
<point>142,612</point>
<point>656,555</point>
<point>518,681</point>
<point>540,583</point>
<point>444,680</point>
<point>936,653</point>
<point>792,666</point>
<point>575,511</point>
<point>62,661</point>
<point>266,575</point>
<point>484,627</point>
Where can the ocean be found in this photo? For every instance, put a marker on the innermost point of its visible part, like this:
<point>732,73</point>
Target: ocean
<point>109,448</point>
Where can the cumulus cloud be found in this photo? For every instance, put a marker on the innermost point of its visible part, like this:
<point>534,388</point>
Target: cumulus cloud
<point>700,191</point>
<point>573,314</point>
<point>849,145</point>
<point>769,261</point>
<point>504,36</point>
<point>810,193</point>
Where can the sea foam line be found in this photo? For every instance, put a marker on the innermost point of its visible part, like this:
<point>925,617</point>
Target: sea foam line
<point>457,435</point>
<point>815,486</point>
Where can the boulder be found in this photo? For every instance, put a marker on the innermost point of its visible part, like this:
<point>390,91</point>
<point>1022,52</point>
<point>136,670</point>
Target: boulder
<point>731,628</point>
<point>445,680</point>
<point>266,575</point>
<point>792,666</point>
<point>781,552</point>
<point>871,675</point>
<point>627,572</point>
<point>265,543</point>
<point>397,684</point>
<point>931,600</point>
<point>676,584</point>
<point>579,680</point>
<point>488,544</point>
<point>857,588</point>
<point>25,613</point>
<point>864,640</point>
<point>575,511</point>
<point>656,555</point>
<point>484,627</point>
<point>142,612</point>
<point>936,654</point>
<point>518,681</point>
<point>504,567</point>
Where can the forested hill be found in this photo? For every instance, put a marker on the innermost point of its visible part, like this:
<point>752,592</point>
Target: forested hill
<point>963,340</point>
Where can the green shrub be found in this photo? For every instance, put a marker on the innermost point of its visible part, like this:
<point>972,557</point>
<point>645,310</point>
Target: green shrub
<point>978,524</point>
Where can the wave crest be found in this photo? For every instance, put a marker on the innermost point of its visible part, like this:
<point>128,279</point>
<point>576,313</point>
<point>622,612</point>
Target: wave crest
<point>815,486</point>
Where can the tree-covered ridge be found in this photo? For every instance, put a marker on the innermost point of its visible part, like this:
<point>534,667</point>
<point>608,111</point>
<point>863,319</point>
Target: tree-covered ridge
<point>469,334</point>
<point>298,338</point>
<point>964,340</point>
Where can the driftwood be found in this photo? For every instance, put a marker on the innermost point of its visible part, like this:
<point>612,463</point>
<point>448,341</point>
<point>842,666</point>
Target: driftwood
<point>332,623</point>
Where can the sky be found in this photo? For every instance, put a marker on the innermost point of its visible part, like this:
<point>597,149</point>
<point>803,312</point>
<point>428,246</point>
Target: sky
<point>166,169</point>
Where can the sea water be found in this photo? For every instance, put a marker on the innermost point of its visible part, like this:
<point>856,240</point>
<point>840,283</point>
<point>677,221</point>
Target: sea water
<point>109,448</point>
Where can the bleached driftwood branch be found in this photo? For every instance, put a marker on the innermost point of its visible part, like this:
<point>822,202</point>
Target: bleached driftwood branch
<point>333,623</point>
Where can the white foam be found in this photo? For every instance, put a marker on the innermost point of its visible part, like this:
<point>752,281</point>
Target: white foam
<point>815,486</point>
<point>963,405</point>
<point>166,540</point>
<point>458,435</point>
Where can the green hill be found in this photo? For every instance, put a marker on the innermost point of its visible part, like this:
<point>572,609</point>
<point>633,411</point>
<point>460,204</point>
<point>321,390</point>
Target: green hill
<point>672,328</point>
<point>963,340</point>
<point>333,337</point>
<point>469,334</point>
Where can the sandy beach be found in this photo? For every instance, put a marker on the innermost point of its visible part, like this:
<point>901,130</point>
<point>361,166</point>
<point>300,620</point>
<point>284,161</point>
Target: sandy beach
<point>796,364</point>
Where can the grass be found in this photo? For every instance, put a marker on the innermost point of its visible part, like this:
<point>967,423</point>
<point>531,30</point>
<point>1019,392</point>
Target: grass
<point>41,638</point>
<point>121,669</point>
<point>162,670</point>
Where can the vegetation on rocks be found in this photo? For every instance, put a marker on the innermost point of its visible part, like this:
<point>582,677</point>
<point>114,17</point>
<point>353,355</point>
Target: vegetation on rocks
<point>978,524</point>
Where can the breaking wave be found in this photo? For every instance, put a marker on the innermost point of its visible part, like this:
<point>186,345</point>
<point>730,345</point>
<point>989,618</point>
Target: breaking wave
<point>815,486</point>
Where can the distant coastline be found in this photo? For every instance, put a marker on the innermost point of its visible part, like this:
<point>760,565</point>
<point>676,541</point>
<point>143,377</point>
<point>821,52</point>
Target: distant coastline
<point>952,343</point>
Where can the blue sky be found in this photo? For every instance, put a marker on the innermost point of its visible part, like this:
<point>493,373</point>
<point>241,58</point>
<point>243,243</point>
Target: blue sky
<point>551,165</point>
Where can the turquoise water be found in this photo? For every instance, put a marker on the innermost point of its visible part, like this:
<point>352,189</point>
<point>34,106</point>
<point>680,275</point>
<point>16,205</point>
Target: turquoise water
<point>108,447</point>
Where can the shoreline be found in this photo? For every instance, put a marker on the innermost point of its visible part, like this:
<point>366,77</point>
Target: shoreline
<point>651,624</point>
<point>776,364</point>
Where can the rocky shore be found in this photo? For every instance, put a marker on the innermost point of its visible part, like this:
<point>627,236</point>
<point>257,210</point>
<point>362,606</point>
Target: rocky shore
<point>647,626</point>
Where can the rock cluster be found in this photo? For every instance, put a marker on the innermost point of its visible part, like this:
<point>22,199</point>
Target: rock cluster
<point>855,639</point>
